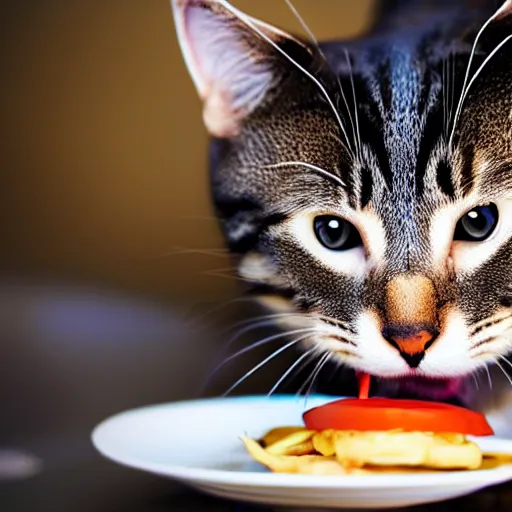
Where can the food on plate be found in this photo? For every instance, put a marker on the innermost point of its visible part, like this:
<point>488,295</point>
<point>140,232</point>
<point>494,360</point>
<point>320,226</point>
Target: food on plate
<point>343,451</point>
<point>368,435</point>
<point>294,443</point>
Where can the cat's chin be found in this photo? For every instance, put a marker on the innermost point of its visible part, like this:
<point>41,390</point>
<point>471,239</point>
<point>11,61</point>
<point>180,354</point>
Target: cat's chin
<point>424,388</point>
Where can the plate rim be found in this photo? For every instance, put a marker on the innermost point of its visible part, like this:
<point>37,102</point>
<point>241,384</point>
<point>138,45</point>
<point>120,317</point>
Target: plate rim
<point>482,478</point>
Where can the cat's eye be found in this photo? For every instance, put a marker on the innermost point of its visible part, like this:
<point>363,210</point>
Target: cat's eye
<point>478,224</point>
<point>336,233</point>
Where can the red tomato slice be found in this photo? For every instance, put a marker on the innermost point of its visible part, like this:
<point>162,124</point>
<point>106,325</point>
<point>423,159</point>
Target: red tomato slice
<point>388,414</point>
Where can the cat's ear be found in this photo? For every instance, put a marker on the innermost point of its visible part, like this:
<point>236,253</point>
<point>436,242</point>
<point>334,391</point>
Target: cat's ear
<point>231,58</point>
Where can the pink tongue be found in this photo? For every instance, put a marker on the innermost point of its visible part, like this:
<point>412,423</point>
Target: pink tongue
<point>364,380</point>
<point>436,389</point>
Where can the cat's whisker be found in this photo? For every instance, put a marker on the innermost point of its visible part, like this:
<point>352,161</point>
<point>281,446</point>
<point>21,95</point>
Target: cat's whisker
<point>222,273</point>
<point>470,61</point>
<point>198,217</point>
<point>482,66</point>
<point>277,316</point>
<point>213,250</point>
<point>316,351</point>
<point>251,326</point>
<point>313,39</point>
<point>269,320</point>
<point>335,137</point>
<point>270,316</point>
<point>489,378</point>
<point>503,358</point>
<point>304,25</point>
<point>247,21</point>
<point>475,380</point>
<point>452,89</point>
<point>356,115</point>
<point>223,269</point>
<point>262,321</point>
<point>180,251</point>
<point>468,68</point>
<point>289,371</point>
<point>197,319</point>
<point>312,167</point>
<point>258,344</point>
<point>444,87</point>
<point>354,132</point>
<point>264,362</point>
<point>315,375</point>
<point>503,370</point>
<point>320,354</point>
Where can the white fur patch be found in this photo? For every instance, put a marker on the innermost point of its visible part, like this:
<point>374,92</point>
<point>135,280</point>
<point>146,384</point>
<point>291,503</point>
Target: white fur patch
<point>376,355</point>
<point>257,267</point>
<point>450,355</point>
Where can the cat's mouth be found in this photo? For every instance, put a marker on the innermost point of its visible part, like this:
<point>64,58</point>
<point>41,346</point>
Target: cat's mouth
<point>426,388</point>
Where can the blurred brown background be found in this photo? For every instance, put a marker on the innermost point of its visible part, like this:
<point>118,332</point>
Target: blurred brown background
<point>104,150</point>
<point>103,180</point>
<point>104,183</point>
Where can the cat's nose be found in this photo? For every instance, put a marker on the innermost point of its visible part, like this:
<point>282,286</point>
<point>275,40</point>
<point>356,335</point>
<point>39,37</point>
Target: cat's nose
<point>411,341</point>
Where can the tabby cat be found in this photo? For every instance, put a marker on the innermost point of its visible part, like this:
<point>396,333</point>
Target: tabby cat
<point>364,187</point>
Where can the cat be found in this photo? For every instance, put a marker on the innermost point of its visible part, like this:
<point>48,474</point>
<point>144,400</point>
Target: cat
<point>364,187</point>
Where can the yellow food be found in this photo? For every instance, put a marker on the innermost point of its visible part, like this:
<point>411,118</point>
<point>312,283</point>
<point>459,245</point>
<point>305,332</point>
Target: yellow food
<point>296,443</point>
<point>416,449</point>
<point>278,433</point>
<point>305,464</point>
<point>335,452</point>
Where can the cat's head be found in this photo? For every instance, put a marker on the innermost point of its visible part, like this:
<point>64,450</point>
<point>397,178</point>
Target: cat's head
<point>370,198</point>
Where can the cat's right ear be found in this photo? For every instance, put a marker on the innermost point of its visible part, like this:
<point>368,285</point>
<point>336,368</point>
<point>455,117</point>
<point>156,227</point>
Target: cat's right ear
<point>232,59</point>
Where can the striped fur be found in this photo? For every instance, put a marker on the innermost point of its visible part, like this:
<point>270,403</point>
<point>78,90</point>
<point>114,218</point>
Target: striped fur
<point>398,159</point>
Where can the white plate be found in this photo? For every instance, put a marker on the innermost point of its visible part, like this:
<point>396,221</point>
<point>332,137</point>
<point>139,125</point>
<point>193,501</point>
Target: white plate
<point>197,442</point>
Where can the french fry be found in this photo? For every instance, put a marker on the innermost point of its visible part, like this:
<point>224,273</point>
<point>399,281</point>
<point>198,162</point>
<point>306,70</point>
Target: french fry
<point>406,449</point>
<point>333,452</point>
<point>276,463</point>
<point>319,465</point>
<point>305,464</point>
<point>276,434</point>
<point>323,442</point>
<point>298,443</point>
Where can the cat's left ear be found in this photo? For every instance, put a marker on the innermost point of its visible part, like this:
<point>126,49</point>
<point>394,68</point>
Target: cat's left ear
<point>234,60</point>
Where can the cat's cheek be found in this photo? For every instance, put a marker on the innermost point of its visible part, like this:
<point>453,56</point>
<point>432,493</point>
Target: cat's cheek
<point>451,355</point>
<point>256,267</point>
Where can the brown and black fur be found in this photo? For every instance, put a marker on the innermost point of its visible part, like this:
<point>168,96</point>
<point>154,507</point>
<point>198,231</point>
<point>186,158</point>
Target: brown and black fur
<point>403,155</point>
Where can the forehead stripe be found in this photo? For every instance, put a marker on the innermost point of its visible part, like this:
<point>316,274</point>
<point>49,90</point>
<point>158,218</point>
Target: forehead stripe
<point>466,172</point>
<point>429,139</point>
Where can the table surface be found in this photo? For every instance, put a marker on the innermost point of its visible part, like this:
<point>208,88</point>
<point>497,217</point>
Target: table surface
<point>101,486</point>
